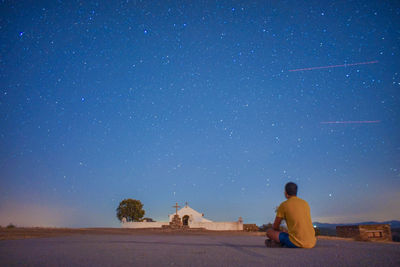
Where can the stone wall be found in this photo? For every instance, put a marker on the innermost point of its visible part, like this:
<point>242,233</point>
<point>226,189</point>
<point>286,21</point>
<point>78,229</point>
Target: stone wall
<point>370,232</point>
<point>143,224</point>
<point>218,226</point>
<point>376,232</point>
<point>349,231</point>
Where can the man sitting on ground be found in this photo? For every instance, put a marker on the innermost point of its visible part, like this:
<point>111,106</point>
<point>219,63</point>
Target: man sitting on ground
<point>296,212</point>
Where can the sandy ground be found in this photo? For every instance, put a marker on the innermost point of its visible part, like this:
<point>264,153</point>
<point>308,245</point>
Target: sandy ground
<point>118,247</point>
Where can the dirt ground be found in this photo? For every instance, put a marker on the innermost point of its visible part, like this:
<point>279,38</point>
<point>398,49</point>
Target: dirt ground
<point>40,232</point>
<point>37,232</point>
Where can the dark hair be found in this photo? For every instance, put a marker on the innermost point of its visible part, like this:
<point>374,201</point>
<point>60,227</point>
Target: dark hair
<point>291,189</point>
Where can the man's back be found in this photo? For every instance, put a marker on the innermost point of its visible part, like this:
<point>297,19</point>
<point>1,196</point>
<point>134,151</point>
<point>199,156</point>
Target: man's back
<point>296,212</point>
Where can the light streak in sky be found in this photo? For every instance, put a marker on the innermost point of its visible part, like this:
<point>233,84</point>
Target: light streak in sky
<point>348,122</point>
<point>336,66</point>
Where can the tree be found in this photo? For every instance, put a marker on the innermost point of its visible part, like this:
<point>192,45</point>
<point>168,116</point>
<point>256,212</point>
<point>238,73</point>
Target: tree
<point>131,209</point>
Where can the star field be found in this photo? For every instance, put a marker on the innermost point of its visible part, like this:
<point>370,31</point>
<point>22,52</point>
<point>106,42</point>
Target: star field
<point>175,101</point>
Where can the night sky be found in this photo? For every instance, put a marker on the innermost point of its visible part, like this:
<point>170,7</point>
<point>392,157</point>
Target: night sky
<point>197,101</point>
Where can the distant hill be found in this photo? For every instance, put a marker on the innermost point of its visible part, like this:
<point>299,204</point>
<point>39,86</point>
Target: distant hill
<point>393,224</point>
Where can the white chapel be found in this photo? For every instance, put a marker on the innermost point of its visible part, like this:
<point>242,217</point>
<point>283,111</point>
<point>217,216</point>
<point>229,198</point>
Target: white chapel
<point>189,215</point>
<point>189,218</point>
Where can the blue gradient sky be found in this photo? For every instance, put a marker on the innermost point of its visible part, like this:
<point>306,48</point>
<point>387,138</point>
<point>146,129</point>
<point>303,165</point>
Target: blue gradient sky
<point>175,101</point>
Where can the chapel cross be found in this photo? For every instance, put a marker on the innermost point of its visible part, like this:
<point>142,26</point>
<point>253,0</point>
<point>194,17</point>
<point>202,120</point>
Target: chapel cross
<point>176,207</point>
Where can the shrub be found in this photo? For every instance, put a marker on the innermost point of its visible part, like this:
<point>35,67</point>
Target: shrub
<point>250,227</point>
<point>317,231</point>
<point>396,238</point>
<point>265,227</point>
<point>10,226</point>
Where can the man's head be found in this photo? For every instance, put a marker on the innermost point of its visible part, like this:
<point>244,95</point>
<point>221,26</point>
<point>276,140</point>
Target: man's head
<point>290,189</point>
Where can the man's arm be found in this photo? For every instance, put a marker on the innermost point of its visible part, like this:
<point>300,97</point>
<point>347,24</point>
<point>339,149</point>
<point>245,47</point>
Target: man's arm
<point>277,223</point>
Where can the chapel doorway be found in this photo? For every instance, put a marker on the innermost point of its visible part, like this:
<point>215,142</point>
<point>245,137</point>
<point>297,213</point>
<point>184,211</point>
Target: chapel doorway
<point>185,220</point>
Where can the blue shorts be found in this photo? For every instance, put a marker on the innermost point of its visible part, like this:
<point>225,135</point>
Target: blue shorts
<point>284,239</point>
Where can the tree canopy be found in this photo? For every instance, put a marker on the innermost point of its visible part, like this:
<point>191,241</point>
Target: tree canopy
<point>131,209</point>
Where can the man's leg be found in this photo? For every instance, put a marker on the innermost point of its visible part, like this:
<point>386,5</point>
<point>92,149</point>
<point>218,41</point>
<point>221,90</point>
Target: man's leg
<point>273,235</point>
<point>280,238</point>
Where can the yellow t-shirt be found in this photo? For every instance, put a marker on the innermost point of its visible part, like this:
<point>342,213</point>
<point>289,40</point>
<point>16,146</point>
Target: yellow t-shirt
<point>296,212</point>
